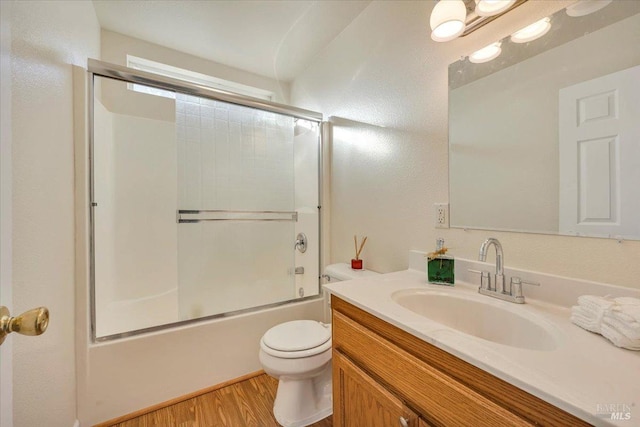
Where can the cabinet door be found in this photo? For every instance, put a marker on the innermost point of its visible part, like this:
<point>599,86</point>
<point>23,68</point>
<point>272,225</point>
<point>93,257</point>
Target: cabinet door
<point>358,400</point>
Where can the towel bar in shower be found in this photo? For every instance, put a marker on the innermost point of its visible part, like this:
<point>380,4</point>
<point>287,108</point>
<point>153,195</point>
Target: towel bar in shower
<point>195,216</point>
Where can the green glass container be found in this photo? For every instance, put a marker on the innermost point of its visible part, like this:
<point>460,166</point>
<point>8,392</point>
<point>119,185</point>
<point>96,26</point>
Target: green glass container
<point>441,267</point>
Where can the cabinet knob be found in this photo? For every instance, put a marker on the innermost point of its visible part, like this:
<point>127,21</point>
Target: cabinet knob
<point>404,422</point>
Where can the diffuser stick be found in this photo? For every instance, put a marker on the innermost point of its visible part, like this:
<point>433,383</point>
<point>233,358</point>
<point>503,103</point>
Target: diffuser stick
<point>355,244</point>
<point>359,251</point>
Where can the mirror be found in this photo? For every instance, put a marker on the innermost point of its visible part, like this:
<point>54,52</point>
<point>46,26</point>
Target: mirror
<point>544,138</point>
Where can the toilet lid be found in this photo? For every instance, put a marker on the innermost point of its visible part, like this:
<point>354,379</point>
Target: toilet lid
<point>297,335</point>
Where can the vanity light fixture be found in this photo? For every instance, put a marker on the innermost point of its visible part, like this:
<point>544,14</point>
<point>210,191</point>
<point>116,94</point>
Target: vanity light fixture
<point>454,18</point>
<point>486,54</point>
<point>586,7</point>
<point>532,32</point>
<point>447,20</point>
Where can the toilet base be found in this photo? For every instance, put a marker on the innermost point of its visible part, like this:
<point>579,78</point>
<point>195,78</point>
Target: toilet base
<point>302,402</point>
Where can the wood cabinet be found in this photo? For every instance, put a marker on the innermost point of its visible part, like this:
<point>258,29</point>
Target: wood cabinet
<point>363,401</point>
<point>382,373</point>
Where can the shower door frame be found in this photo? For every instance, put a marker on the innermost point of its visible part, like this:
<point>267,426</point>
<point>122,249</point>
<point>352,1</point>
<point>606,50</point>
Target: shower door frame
<point>130,75</point>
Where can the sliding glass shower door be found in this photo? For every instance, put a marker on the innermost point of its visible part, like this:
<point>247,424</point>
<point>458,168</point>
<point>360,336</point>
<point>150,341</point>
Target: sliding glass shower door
<point>236,207</point>
<point>196,203</point>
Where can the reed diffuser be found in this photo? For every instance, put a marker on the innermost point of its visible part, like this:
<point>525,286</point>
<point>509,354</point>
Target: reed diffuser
<point>356,263</point>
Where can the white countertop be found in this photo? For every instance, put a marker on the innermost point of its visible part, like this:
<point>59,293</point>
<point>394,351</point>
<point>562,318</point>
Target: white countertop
<point>581,375</point>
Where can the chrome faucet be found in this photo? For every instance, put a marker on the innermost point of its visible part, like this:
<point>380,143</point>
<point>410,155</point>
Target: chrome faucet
<point>514,293</point>
<point>499,275</point>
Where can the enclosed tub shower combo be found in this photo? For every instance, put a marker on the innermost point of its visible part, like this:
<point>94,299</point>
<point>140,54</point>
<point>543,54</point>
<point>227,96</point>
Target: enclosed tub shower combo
<point>203,203</point>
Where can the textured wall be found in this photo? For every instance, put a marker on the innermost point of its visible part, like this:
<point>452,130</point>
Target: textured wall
<point>388,79</point>
<point>48,37</point>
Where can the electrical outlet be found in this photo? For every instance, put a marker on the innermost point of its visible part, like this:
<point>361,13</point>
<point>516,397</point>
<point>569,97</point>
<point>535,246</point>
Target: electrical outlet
<point>442,215</point>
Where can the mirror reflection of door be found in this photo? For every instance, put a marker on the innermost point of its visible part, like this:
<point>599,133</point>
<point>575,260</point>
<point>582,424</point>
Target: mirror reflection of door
<point>599,155</point>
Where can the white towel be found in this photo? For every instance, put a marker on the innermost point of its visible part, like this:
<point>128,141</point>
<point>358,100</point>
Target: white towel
<point>630,330</point>
<point>584,319</point>
<point>616,319</point>
<point>628,308</point>
<point>589,311</point>
<point>595,304</point>
<point>623,316</point>
<point>618,339</point>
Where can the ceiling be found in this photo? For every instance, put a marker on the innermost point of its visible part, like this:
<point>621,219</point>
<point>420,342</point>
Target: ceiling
<point>276,39</point>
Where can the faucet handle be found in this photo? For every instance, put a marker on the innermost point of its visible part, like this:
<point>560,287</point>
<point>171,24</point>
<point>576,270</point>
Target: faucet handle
<point>516,286</point>
<point>485,278</point>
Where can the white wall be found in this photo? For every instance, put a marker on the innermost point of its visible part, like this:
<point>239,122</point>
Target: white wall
<point>48,37</point>
<point>384,70</point>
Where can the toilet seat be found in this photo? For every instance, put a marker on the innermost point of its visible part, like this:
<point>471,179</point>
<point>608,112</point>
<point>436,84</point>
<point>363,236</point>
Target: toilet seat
<point>295,354</point>
<point>297,339</point>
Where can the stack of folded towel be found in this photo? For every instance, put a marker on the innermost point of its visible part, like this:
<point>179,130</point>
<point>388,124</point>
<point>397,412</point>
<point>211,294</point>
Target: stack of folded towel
<point>617,319</point>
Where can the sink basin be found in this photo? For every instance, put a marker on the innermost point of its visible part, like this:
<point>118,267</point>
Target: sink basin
<point>487,320</point>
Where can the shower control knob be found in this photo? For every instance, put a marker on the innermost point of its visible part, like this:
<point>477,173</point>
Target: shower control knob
<point>301,242</point>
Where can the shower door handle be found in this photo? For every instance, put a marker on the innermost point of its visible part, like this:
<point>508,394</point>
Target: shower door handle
<point>32,322</point>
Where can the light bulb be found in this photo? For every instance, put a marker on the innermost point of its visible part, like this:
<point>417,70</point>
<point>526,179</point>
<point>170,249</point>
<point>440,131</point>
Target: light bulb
<point>586,7</point>
<point>486,54</point>
<point>448,20</point>
<point>532,32</point>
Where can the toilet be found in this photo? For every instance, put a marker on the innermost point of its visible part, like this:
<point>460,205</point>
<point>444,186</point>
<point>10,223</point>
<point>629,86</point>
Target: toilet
<point>298,355</point>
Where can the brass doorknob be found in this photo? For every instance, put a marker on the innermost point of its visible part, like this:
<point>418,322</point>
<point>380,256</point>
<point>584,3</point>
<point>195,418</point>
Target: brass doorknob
<point>32,322</point>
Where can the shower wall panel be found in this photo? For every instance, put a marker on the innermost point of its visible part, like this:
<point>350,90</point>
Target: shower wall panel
<point>135,173</point>
<point>233,157</point>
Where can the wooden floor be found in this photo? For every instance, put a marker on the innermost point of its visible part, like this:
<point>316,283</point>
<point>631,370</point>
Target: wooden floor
<point>246,403</point>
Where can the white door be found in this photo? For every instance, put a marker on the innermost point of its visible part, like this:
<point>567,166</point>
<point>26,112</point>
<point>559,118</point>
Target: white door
<point>600,156</point>
<point>6,403</point>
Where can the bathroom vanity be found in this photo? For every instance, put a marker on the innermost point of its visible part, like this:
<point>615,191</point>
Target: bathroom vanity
<point>392,366</point>
<point>379,366</point>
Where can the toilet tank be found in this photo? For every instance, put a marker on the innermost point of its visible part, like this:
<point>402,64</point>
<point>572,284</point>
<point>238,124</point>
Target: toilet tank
<point>343,271</point>
<point>338,273</point>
